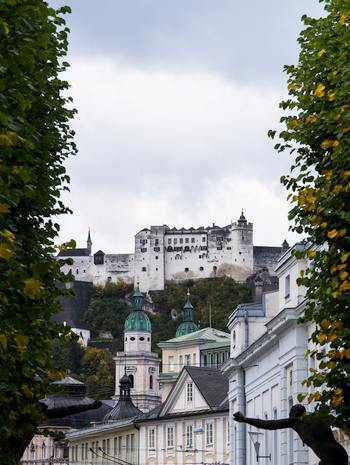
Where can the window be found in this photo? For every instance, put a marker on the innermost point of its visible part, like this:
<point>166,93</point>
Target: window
<point>181,361</point>
<point>187,240</point>
<point>175,240</point>
<point>132,338</point>
<point>77,271</point>
<point>151,438</point>
<point>171,362</point>
<point>132,443</point>
<point>192,240</point>
<point>141,338</point>
<point>156,257</point>
<point>170,436</point>
<point>201,268</point>
<point>194,359</point>
<point>109,279</point>
<point>156,242</point>
<point>32,452</point>
<point>203,239</point>
<point>209,434</point>
<point>186,270</point>
<point>144,268</point>
<point>131,377</point>
<point>43,451</point>
<point>86,451</point>
<point>169,241</point>
<point>120,445</point>
<point>181,240</point>
<point>275,439</point>
<point>143,249</point>
<point>187,359</point>
<point>151,382</point>
<point>287,287</point>
<point>228,248</point>
<point>189,436</point>
<point>156,249</point>
<point>189,394</point>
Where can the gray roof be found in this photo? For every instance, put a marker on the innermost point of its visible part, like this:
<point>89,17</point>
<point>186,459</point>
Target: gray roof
<point>74,253</point>
<point>211,383</point>
<point>205,334</point>
<point>249,309</point>
<point>124,409</point>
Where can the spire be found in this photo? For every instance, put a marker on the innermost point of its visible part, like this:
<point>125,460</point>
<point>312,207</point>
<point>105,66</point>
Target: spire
<point>137,320</point>
<point>188,325</point>
<point>89,242</point>
<point>125,407</point>
<point>242,218</point>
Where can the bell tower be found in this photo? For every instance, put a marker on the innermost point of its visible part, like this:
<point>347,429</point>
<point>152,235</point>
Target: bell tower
<point>137,360</point>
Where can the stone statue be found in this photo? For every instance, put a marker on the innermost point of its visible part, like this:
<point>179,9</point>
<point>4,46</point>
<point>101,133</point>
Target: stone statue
<point>313,431</point>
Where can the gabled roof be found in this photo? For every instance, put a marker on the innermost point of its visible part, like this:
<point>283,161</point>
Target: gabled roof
<point>74,253</point>
<point>211,383</point>
<point>205,335</point>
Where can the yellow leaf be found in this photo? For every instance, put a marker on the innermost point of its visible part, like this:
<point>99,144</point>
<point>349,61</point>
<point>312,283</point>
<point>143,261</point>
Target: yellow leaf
<point>4,208</point>
<point>344,286</point>
<point>343,275</point>
<point>26,390</point>
<point>321,338</point>
<point>310,119</point>
<point>342,20</point>
<point>332,337</point>
<point>332,234</point>
<point>331,96</point>
<point>293,86</point>
<point>21,341</point>
<point>319,91</point>
<point>326,144</point>
<point>32,288</point>
<point>337,324</point>
<point>3,341</point>
<point>324,324</point>
<point>344,256</point>
<point>311,253</point>
<point>293,123</point>
<point>5,252</point>
<point>321,52</point>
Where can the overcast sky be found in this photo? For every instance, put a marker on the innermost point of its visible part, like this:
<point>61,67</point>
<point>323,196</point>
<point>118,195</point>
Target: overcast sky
<point>174,100</point>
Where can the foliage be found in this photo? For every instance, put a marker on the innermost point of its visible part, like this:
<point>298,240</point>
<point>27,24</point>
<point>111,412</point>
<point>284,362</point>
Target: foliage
<point>35,140</point>
<point>97,371</point>
<point>317,131</point>
<point>108,309</point>
<point>221,295</point>
<point>95,367</point>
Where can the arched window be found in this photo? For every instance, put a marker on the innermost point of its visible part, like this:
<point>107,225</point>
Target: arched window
<point>32,452</point>
<point>151,382</point>
<point>132,380</point>
<point>43,452</point>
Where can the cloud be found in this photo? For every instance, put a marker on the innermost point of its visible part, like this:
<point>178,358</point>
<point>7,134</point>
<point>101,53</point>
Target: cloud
<point>160,146</point>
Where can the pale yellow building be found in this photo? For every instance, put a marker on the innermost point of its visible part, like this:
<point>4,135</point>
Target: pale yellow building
<point>191,426</point>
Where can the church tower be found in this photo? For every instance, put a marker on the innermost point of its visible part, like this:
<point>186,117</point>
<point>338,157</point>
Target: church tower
<point>137,361</point>
<point>89,243</point>
<point>187,325</point>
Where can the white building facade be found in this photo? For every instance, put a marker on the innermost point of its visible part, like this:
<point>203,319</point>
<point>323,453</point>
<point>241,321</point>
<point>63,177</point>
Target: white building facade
<point>169,254</point>
<point>267,368</point>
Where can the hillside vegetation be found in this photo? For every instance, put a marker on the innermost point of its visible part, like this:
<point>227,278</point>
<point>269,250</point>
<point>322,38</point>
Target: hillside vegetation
<point>111,304</point>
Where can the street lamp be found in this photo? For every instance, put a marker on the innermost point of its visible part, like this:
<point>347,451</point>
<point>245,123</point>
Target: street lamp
<point>254,437</point>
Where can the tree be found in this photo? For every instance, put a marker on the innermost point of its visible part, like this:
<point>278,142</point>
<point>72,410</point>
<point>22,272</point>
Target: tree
<point>35,139</point>
<point>108,309</point>
<point>316,131</point>
<point>97,371</point>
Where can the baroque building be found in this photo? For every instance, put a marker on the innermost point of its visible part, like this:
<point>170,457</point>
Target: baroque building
<point>169,254</point>
<point>137,360</point>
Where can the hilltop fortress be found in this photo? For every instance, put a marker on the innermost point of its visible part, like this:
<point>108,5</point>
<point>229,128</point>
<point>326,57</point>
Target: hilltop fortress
<point>169,254</point>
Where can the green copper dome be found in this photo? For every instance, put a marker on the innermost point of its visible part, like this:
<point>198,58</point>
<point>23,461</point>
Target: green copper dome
<point>188,325</point>
<point>137,320</point>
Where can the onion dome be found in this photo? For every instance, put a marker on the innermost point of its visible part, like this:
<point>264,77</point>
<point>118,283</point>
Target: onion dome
<point>125,407</point>
<point>138,319</point>
<point>188,325</point>
<point>242,219</point>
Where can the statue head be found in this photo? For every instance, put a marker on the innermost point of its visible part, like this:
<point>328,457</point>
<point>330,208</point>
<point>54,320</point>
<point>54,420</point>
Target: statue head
<point>297,411</point>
